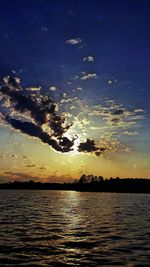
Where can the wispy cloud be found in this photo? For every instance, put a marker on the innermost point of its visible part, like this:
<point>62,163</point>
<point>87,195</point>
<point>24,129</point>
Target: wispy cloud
<point>116,115</point>
<point>130,133</point>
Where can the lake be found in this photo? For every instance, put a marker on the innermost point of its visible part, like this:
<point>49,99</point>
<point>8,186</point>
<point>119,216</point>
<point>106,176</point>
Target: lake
<point>68,228</point>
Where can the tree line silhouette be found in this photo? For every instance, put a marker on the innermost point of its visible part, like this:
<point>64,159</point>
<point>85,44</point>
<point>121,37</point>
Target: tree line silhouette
<point>88,183</point>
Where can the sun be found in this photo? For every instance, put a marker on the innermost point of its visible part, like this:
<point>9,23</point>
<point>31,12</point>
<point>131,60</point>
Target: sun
<point>70,135</point>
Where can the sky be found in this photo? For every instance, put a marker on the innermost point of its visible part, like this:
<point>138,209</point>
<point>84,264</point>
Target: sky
<point>74,89</point>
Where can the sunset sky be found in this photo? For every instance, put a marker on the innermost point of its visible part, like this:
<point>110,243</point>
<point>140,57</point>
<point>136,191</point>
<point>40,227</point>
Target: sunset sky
<point>75,89</point>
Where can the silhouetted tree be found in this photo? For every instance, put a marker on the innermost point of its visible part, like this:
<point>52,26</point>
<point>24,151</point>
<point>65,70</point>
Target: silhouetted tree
<point>100,178</point>
<point>90,178</point>
<point>82,179</point>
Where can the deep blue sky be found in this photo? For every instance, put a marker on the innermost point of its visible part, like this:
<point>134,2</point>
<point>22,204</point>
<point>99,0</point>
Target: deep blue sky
<point>33,33</point>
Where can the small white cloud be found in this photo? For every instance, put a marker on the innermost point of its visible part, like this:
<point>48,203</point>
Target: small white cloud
<point>74,41</point>
<point>89,76</point>
<point>53,88</point>
<point>109,82</point>
<point>88,59</point>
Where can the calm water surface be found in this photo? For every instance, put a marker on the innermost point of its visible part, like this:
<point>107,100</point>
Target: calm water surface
<point>66,228</point>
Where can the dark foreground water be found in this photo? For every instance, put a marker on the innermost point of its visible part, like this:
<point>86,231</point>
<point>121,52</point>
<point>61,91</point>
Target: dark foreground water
<point>58,228</point>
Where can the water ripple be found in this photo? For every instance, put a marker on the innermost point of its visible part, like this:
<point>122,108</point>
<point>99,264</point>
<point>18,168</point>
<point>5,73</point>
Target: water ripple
<point>59,228</point>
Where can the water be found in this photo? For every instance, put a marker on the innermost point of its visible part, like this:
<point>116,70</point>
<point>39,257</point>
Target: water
<point>66,228</point>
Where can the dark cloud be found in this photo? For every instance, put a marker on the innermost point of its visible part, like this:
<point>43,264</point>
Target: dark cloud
<point>87,146</point>
<point>100,151</point>
<point>25,127</point>
<point>12,82</point>
<point>31,166</point>
<point>115,120</point>
<point>56,124</point>
<point>41,111</point>
<point>64,145</point>
<point>23,103</point>
<point>118,112</point>
<point>43,168</point>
